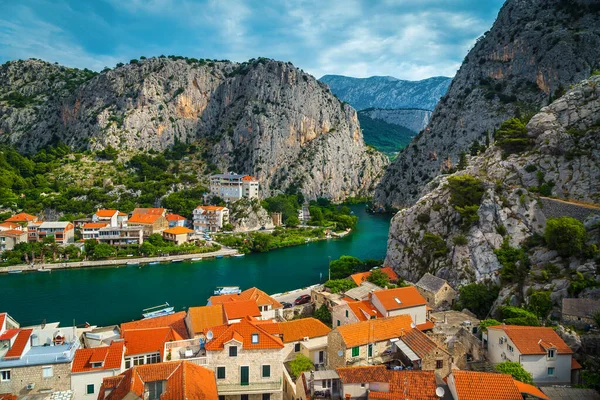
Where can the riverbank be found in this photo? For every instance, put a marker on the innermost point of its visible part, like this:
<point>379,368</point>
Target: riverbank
<point>117,263</point>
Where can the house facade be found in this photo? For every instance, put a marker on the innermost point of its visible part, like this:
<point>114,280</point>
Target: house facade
<point>178,235</point>
<point>91,366</point>
<point>232,187</point>
<point>176,220</point>
<point>210,218</point>
<point>401,301</point>
<point>63,232</point>
<point>91,230</point>
<point>109,217</point>
<point>436,291</point>
<point>10,238</point>
<point>115,236</point>
<point>579,312</point>
<point>150,223</point>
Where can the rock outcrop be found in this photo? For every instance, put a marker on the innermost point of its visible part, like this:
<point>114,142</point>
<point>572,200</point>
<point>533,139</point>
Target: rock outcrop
<point>248,215</point>
<point>535,50</point>
<point>263,117</point>
<point>413,119</point>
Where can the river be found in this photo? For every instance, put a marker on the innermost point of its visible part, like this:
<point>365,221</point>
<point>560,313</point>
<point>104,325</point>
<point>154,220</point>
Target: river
<point>103,296</point>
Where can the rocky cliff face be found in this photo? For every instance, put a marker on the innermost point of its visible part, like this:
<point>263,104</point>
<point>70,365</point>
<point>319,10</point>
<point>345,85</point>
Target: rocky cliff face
<point>413,119</point>
<point>264,118</point>
<point>431,236</point>
<point>388,92</point>
<point>248,215</point>
<point>535,50</point>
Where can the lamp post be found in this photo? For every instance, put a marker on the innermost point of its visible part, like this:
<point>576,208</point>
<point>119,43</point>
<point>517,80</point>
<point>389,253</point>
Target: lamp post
<point>329,267</point>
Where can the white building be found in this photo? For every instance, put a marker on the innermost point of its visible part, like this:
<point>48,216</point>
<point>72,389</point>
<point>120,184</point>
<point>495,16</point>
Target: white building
<point>63,232</point>
<point>91,230</point>
<point>539,350</point>
<point>232,187</point>
<point>210,218</point>
<point>91,366</point>
<point>121,236</point>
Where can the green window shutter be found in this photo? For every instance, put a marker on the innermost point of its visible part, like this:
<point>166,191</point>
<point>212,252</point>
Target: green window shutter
<point>355,351</point>
<point>90,389</point>
<point>220,372</point>
<point>266,371</point>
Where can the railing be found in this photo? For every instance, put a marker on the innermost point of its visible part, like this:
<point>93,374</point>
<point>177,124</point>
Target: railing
<point>229,388</point>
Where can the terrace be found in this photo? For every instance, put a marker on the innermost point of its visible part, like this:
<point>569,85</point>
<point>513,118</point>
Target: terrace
<point>43,355</point>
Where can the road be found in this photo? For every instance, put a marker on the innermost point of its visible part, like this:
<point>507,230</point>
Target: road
<point>293,294</point>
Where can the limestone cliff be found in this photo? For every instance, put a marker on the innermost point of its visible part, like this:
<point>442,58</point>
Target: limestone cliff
<point>249,215</point>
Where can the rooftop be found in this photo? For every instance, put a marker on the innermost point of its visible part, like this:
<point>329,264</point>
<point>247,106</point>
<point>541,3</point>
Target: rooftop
<point>420,343</point>
<point>175,321</point>
<point>144,218</point>
<point>55,225</point>
<point>568,393</point>
<point>241,309</point>
<point>210,208</point>
<point>150,340</point>
<point>94,225</point>
<point>175,217</point>
<point>38,355</point>
<point>260,297</point>
<point>534,339</point>
<point>22,217</point>
<point>111,357</point>
<point>362,291</point>
<point>202,318</point>
<point>431,283</point>
<point>106,213</point>
<point>585,308</point>
<point>13,233</point>
<point>374,330</point>
<point>148,211</point>
<point>364,310</point>
<point>293,331</point>
<point>362,276</point>
<point>484,385</point>
<point>395,299</point>
<point>178,230</point>
<point>243,332</point>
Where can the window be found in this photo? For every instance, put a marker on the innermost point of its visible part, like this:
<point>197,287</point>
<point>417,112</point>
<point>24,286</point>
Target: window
<point>501,341</point>
<point>220,372</point>
<point>324,383</point>
<point>97,365</point>
<point>266,371</point>
<point>254,338</point>
<point>5,376</point>
<point>297,347</point>
<point>232,351</point>
<point>266,396</point>
<point>370,349</point>
<point>362,385</point>
<point>346,313</point>
<point>551,371</point>
<point>244,397</point>
<point>127,363</point>
<point>355,351</point>
<point>47,372</point>
<point>510,348</point>
<point>551,353</point>
<point>338,322</point>
<point>155,390</point>
<point>138,360</point>
<point>90,389</point>
<point>153,358</point>
<point>439,364</point>
<point>221,397</point>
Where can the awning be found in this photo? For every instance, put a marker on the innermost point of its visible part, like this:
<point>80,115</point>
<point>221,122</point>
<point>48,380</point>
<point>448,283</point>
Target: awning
<point>403,347</point>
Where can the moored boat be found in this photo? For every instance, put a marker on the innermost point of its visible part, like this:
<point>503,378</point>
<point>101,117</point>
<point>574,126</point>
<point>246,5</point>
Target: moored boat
<point>158,311</point>
<point>239,255</point>
<point>219,256</point>
<point>154,263</point>
<point>227,290</point>
<point>177,260</point>
<point>133,263</point>
<point>15,271</point>
<point>196,259</point>
<point>44,270</point>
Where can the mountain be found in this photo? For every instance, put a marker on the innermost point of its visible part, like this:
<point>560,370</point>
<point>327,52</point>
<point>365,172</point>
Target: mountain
<point>487,222</point>
<point>262,117</point>
<point>387,137</point>
<point>387,92</point>
<point>535,50</point>
<point>413,119</point>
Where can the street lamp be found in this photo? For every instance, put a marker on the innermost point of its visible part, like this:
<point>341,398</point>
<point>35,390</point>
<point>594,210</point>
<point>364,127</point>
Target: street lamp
<point>329,267</point>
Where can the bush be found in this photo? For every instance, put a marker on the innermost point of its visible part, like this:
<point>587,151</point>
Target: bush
<point>566,235</point>
<point>423,218</point>
<point>466,193</point>
<point>483,325</point>
<point>516,370</point>
<point>323,315</point>
<point>540,304</point>
<point>379,278</point>
<point>300,364</point>
<point>515,262</point>
<point>512,136</point>
<point>460,240</point>
<point>478,298</point>
<point>518,316</point>
<point>345,266</point>
<point>339,285</point>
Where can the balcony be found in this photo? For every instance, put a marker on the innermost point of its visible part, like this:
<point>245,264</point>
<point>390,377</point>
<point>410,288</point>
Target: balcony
<point>189,350</point>
<point>251,387</point>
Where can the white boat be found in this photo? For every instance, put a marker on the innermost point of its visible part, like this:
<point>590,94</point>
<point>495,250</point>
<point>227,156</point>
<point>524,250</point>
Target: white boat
<point>196,259</point>
<point>158,311</point>
<point>44,270</point>
<point>154,263</point>
<point>239,255</point>
<point>133,263</point>
<point>15,271</point>
<point>176,261</point>
<point>227,290</point>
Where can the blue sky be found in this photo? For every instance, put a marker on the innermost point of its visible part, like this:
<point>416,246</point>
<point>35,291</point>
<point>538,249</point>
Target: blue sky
<point>408,39</point>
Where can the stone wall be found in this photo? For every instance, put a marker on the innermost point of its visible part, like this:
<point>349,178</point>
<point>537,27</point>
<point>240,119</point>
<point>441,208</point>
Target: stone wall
<point>578,322</point>
<point>304,310</point>
<point>21,377</point>
<point>335,343</point>
<point>429,362</point>
<point>555,208</point>
<point>339,314</point>
<point>459,346</point>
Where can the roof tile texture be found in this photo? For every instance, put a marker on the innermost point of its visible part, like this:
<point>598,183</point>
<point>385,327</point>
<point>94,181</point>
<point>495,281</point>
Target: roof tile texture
<point>532,339</point>
<point>407,297</point>
<point>374,330</point>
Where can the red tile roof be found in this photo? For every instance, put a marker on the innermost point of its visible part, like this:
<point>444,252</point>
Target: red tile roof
<point>13,233</point>
<point>175,217</point>
<point>364,310</point>
<point>178,230</point>
<point>148,211</point>
<point>425,326</point>
<point>16,351</point>
<point>374,330</point>
<point>94,225</point>
<point>202,318</point>
<point>9,334</point>
<point>241,309</point>
<point>362,276</point>
<point>484,385</point>
<point>8,396</point>
<point>106,213</point>
<point>10,225</point>
<point>111,356</point>
<point>248,178</point>
<point>2,318</point>
<point>420,343</point>
<point>395,299</point>
<point>242,332</point>
<point>175,321</point>
<point>534,339</point>
<point>261,298</point>
<point>293,331</point>
<point>144,218</point>
<point>22,217</point>
<point>151,340</point>
<point>575,364</point>
<point>184,381</point>
<point>211,208</point>
<point>524,388</point>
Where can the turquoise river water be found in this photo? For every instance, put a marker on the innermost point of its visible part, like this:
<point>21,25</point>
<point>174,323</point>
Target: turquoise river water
<point>103,296</point>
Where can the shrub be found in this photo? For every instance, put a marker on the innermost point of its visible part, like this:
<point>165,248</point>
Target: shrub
<point>423,218</point>
<point>292,221</point>
<point>518,316</point>
<point>323,315</point>
<point>345,266</point>
<point>300,364</point>
<point>460,240</point>
<point>540,304</point>
<point>483,325</point>
<point>516,370</point>
<point>512,136</point>
<point>515,262</point>
<point>477,297</point>
<point>339,285</point>
<point>466,193</point>
<point>379,278</point>
<point>531,168</point>
<point>566,235</point>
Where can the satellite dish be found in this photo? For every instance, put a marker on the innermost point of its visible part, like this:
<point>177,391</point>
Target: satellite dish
<point>209,335</point>
<point>439,392</point>
<point>340,353</point>
<point>412,325</point>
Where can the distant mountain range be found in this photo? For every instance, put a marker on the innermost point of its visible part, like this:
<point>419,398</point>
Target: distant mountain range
<point>388,92</point>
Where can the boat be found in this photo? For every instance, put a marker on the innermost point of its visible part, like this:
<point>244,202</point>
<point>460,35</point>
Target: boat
<point>15,271</point>
<point>158,311</point>
<point>239,255</point>
<point>177,260</point>
<point>196,259</point>
<point>227,290</point>
<point>133,263</point>
<point>154,263</point>
<point>44,270</point>
<point>219,256</point>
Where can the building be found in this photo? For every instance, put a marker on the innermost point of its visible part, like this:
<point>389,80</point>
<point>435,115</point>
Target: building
<point>22,218</point>
<point>151,223</point>
<point>232,187</point>
<point>353,312</point>
<point>178,235</point>
<point>169,381</point>
<point>276,217</point>
<point>269,307</point>
<point>304,214</point>
<point>91,366</point>
<point>437,291</point>
<point>149,211</point>
<point>32,231</point>
<point>116,236</point>
<point>579,312</point>
<point>10,226</point>
<point>361,277</point>
<point>175,321</point>
<point>539,350</point>
<point>176,220</point>
<point>110,217</point>
<point>147,346</point>
<point>35,359</point>
<point>63,232</point>
<point>199,319</point>
<point>417,351</point>
<point>306,336</point>
<point>247,360</point>
<point>210,218</point>
<point>322,296</point>
<point>468,385</point>
<point>10,238</point>
<point>362,292</point>
<point>367,342</point>
<point>91,230</point>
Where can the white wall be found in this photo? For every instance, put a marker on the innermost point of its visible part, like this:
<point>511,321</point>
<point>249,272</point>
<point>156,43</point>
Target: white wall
<point>538,365</point>
<point>418,313</point>
<point>495,349</point>
<point>80,381</point>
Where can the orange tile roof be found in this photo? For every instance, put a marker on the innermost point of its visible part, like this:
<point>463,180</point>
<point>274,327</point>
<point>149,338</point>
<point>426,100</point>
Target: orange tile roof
<point>242,332</point>
<point>148,211</point>
<point>248,178</point>
<point>10,225</point>
<point>175,321</point>
<point>16,351</point>
<point>202,318</point>
<point>241,309</point>
<point>8,396</point>
<point>175,217</point>
<point>22,217</point>
<point>178,230</point>
<point>2,318</point>
<point>362,276</point>
<point>525,388</point>
<point>366,374</point>
<point>533,339</point>
<point>111,356</point>
<point>151,340</point>
<point>420,343</point>
<point>144,218</point>
<point>395,299</point>
<point>211,208</point>
<point>425,326</point>
<point>261,298</point>
<point>374,330</point>
<point>106,213</point>
<point>94,225</point>
<point>484,385</point>
<point>293,331</point>
<point>9,334</point>
<point>184,381</point>
<point>575,364</point>
<point>122,214</point>
<point>13,233</point>
<point>364,310</point>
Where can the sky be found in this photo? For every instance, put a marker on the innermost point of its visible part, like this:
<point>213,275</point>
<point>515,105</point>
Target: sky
<point>407,39</point>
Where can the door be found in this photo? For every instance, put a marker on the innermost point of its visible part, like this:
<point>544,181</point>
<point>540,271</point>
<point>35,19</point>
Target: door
<point>370,350</point>
<point>321,357</point>
<point>244,376</point>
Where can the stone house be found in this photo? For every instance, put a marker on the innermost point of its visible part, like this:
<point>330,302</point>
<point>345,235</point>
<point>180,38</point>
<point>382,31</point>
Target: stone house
<point>178,235</point>
<point>10,238</point>
<point>436,291</point>
<point>268,307</point>
<point>353,312</point>
<point>418,351</point>
<point>320,296</point>
<point>150,223</point>
<point>579,312</point>
<point>91,366</point>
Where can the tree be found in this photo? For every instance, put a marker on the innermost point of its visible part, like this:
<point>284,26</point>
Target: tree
<point>89,245</point>
<point>156,239</point>
<point>462,161</point>
<point>466,193</point>
<point>228,227</point>
<point>339,285</point>
<point>478,298</point>
<point>483,325</point>
<point>540,304</point>
<point>379,278</point>
<point>292,221</point>
<point>148,249</point>
<point>566,235</point>
<point>104,250</point>
<point>515,262</point>
<point>518,316</point>
<point>261,242</point>
<point>300,364</point>
<point>516,370</point>
<point>345,266</point>
<point>512,136</point>
<point>323,315</point>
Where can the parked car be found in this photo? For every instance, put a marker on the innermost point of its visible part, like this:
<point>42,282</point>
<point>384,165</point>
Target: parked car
<point>285,305</point>
<point>305,298</point>
<point>262,228</point>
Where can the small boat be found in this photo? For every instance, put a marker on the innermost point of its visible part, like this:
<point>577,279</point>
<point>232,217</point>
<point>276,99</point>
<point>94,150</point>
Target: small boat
<point>196,259</point>
<point>177,260</point>
<point>239,255</point>
<point>219,256</point>
<point>44,270</point>
<point>15,271</point>
<point>227,290</point>
<point>133,263</point>
<point>158,311</point>
<point>154,263</point>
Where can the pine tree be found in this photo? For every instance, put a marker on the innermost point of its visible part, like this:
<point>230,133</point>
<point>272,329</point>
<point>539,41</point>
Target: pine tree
<point>462,162</point>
